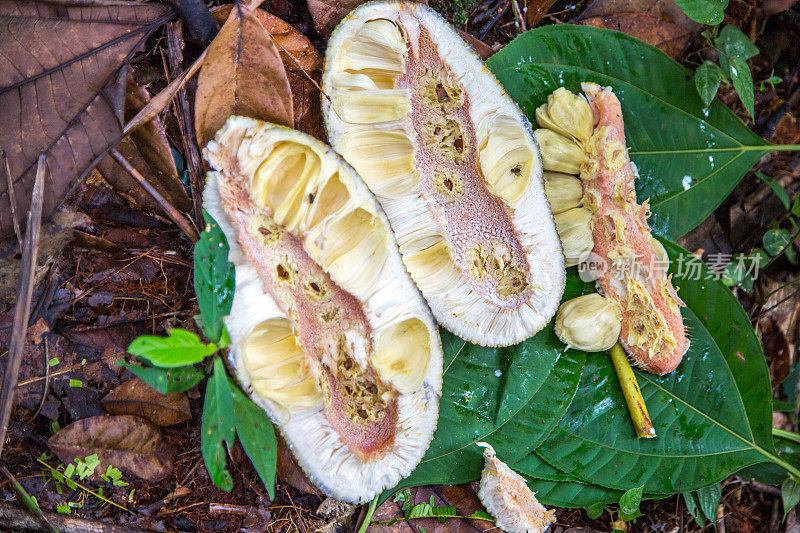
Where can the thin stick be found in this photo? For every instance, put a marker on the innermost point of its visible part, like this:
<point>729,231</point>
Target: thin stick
<point>22,310</point>
<point>30,503</point>
<point>633,396</point>
<point>46,380</point>
<point>160,101</point>
<point>184,115</point>
<point>12,200</point>
<point>173,213</point>
<point>13,518</point>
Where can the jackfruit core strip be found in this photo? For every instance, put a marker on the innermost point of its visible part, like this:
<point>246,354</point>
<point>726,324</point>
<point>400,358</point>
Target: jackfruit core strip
<point>326,323</point>
<point>652,333</point>
<point>449,186</point>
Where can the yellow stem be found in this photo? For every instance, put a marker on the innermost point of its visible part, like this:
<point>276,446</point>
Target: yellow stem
<point>633,396</point>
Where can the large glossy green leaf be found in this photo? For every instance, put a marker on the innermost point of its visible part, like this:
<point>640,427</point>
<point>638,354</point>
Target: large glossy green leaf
<point>712,414</point>
<point>689,158</point>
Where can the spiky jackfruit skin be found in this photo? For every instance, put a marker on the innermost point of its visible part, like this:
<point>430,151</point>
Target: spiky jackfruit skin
<point>328,333</point>
<point>455,165</point>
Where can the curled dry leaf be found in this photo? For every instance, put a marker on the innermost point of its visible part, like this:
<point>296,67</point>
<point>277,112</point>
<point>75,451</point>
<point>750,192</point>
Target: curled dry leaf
<point>301,61</point>
<point>62,90</point>
<point>665,35</point>
<point>135,397</point>
<point>242,74</point>
<point>328,13</point>
<point>130,443</point>
<point>148,150</point>
<point>536,9</point>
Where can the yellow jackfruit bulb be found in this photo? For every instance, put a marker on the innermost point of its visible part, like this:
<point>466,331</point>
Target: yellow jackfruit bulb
<point>508,499</point>
<point>575,231</point>
<point>559,153</point>
<point>568,114</point>
<point>660,256</point>
<point>591,323</point>
<point>563,191</point>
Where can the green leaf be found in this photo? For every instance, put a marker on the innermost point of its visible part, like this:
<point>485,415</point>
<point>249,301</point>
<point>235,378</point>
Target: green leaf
<point>180,348</point>
<point>770,473</point>
<point>704,11</point>
<point>690,498</point>
<point>776,187</point>
<point>796,205</point>
<point>595,511</point>
<point>743,83</point>
<point>790,493</point>
<point>775,240</point>
<point>709,498</point>
<point>219,427</point>
<point>689,157</point>
<point>257,436</point>
<point>712,414</point>
<point>629,502</point>
<point>735,44</point>
<point>213,278</point>
<point>166,381</point>
<point>707,78</point>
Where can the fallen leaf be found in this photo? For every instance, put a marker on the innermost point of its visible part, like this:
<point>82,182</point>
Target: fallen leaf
<point>669,37</point>
<point>290,473</point>
<point>135,397</point>
<point>535,10</point>
<point>301,61</point>
<point>130,443</point>
<point>242,74</point>
<point>481,48</point>
<point>328,13</point>
<point>148,150</point>
<point>667,10</point>
<point>62,89</point>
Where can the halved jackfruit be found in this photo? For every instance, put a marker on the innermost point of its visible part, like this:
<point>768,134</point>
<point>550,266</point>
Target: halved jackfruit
<point>455,165</point>
<point>329,334</point>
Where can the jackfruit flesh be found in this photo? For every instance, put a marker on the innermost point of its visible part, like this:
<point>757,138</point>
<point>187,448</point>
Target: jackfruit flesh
<point>454,164</point>
<point>328,333</point>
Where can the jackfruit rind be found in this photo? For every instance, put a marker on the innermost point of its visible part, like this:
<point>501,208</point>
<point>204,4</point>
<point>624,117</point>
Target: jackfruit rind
<point>321,305</point>
<point>455,165</point>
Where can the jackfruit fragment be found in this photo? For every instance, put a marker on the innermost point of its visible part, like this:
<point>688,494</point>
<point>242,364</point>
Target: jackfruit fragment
<point>455,165</point>
<point>568,114</point>
<point>575,230</point>
<point>508,499</point>
<point>329,335</point>
<point>590,323</point>
<point>563,191</point>
<point>559,153</point>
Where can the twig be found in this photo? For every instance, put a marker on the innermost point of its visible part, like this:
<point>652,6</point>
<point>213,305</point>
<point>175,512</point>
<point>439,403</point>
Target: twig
<point>520,19</point>
<point>184,115</point>
<point>46,379</point>
<point>30,503</point>
<point>13,518</point>
<point>763,487</point>
<point>22,310</point>
<point>173,213</point>
<point>200,22</point>
<point>160,101</point>
<point>633,396</point>
<point>12,200</point>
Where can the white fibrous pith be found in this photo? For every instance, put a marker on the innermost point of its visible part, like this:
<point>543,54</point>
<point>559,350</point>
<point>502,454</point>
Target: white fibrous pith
<point>585,135</point>
<point>328,333</point>
<point>455,166</point>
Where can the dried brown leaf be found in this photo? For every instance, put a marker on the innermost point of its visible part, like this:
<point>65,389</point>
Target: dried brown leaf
<point>536,9</point>
<point>666,10</point>
<point>135,397</point>
<point>62,90</point>
<point>481,48</point>
<point>242,74</point>
<point>301,61</point>
<point>290,473</point>
<point>130,443</point>
<point>148,150</point>
<point>328,13</point>
<point>669,37</point>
